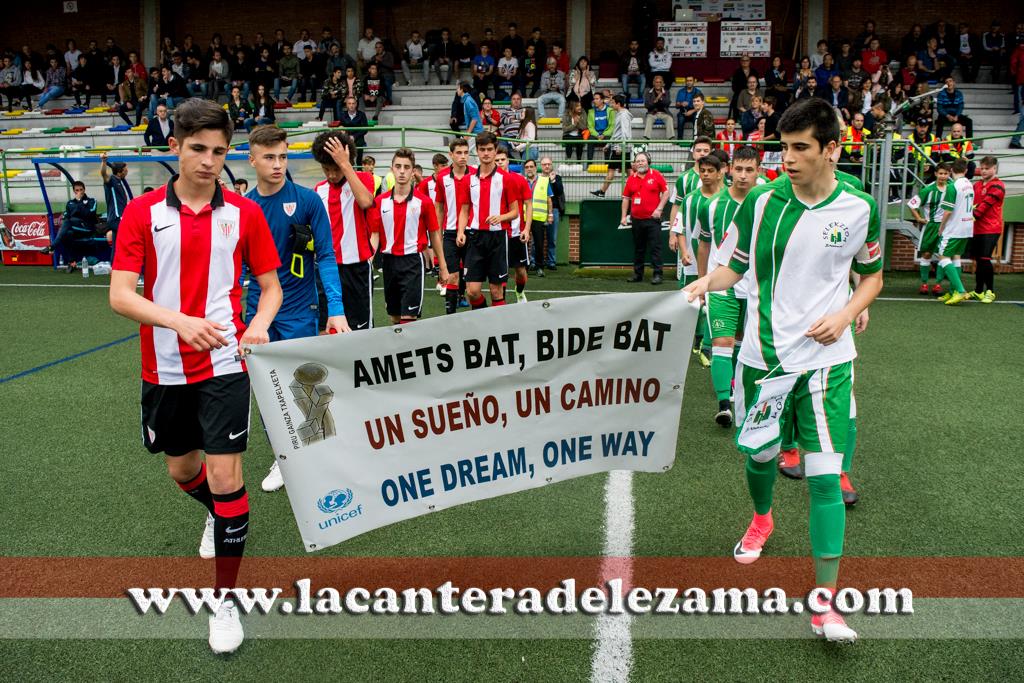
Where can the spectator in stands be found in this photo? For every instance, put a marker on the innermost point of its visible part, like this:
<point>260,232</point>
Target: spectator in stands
<point>179,66</point>
<point>743,102</point>
<point>219,74</point>
<point>507,81</point>
<point>600,124</point>
<point>956,146</point>
<point>750,118</point>
<point>242,71</point>
<point>532,68</point>
<point>874,59</point>
<point>685,113</point>
<point>922,108</point>
<point>196,84</point>
<point>32,81</point>
<point>492,117</point>
<point>71,55</point>
<point>464,52</point>
<point>632,69</point>
<point>262,108</point>
<point>864,38</point>
<point>539,46</point>
<point>470,113</point>
<point>913,42</point>
<point>10,83</point>
<point>770,116</point>
<point>908,75</point>
<point>860,99</point>
<point>309,74</point>
<point>415,56</point>
<point>527,134</point>
<point>949,104</point>
<point>844,59</point>
<point>514,42</point>
<point>351,118</point>
<point>442,54</point>
<point>621,134</point>
<point>659,61</point>
<point>483,70</point>
<point>729,137</point>
<point>803,73</point>
<point>776,83</point>
<point>336,59</point>
<point>993,46</point>
<point>512,117</point>
<point>287,74</point>
<point>827,70</point>
<point>304,40</point>
<point>926,151</point>
<point>810,89</point>
<point>277,47</point>
<point>582,83</point>
<point>931,65</point>
<point>133,97</point>
<point>552,88</point>
<point>574,125</point>
<point>740,79</point>
<point>188,48</point>
<point>56,82</point>
<point>114,74</point>
<point>373,91</point>
<point>331,96</point>
<point>656,102</point>
<point>493,48</point>
<point>79,216</point>
<point>327,41</point>
<point>704,120</point>
<point>159,128</point>
<point>351,86</point>
<point>264,71</point>
<point>215,45</point>
<point>366,49</point>
<point>969,53</point>
<point>561,56</point>
<point>1017,73</point>
<point>820,50</point>
<point>171,90</point>
<point>238,107</point>
<point>838,97</point>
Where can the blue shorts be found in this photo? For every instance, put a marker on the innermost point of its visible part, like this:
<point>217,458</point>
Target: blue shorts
<point>296,328</point>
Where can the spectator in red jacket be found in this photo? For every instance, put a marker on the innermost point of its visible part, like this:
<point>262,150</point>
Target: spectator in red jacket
<point>989,193</point>
<point>1017,70</point>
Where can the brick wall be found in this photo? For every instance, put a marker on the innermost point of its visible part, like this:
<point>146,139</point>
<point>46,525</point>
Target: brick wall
<point>901,256</point>
<point>894,19</point>
<point>40,23</point>
<point>574,239</point>
<point>248,17</point>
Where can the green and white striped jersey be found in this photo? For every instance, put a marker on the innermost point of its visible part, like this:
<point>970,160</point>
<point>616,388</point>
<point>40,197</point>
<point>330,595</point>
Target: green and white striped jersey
<point>931,198</point>
<point>688,223</point>
<point>961,223</point>
<point>796,260</point>
<point>719,216</point>
<point>685,184</point>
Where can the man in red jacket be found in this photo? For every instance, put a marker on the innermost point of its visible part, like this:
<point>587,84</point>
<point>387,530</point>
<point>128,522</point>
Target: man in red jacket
<point>989,193</point>
<point>1017,70</point>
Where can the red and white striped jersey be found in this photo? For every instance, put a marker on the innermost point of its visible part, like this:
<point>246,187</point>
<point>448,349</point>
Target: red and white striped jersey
<point>429,186</point>
<point>453,195</point>
<point>348,221</point>
<point>192,264</point>
<point>403,225</point>
<point>490,195</point>
<point>523,194</point>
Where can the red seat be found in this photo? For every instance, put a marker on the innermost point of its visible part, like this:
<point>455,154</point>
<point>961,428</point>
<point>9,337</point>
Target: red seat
<point>334,124</point>
<point>53,112</point>
<point>281,105</point>
<point>720,120</point>
<point>714,80</point>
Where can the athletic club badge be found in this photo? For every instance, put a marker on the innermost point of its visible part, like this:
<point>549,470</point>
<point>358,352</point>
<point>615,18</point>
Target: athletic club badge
<point>289,208</point>
<point>226,227</point>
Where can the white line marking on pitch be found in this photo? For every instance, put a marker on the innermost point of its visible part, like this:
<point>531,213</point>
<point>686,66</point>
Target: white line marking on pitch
<point>613,646</point>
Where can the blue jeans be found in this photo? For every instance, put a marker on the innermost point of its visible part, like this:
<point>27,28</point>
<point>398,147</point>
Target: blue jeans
<point>556,97</point>
<point>1015,140</point>
<point>640,79</point>
<point>252,122</point>
<point>50,93</point>
<point>291,89</point>
<point>197,89</point>
<point>155,101</point>
<point>552,240</point>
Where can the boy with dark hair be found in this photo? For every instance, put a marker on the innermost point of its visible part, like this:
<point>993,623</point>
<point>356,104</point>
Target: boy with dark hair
<point>405,219</point>
<point>522,224</point>
<point>931,199</point>
<point>347,195</point>
<point>191,239</point>
<point>796,241</point>
<point>79,214</point>
<point>302,236</point>
<point>452,198</point>
<point>989,193</point>
<point>955,231</point>
<point>484,224</point>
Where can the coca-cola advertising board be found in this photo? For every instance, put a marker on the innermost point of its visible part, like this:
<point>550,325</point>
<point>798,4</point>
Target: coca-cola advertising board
<point>25,231</point>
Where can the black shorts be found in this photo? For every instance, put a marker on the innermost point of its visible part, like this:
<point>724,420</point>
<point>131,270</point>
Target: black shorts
<point>212,416</point>
<point>454,255</point>
<point>982,246</point>
<point>613,153</point>
<point>487,256</point>
<point>357,294</point>
<point>403,284</point>
<point>518,254</point>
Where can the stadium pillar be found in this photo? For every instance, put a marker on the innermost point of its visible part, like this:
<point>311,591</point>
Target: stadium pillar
<point>353,24</point>
<point>578,20</point>
<point>150,32</point>
<point>814,29</point>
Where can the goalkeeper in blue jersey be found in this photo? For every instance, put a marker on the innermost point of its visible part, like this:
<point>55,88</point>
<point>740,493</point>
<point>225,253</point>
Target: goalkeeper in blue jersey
<point>302,232</point>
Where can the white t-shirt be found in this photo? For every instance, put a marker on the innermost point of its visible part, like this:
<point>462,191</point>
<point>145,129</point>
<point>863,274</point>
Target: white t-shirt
<point>507,66</point>
<point>961,223</point>
<point>367,48</point>
<point>415,50</point>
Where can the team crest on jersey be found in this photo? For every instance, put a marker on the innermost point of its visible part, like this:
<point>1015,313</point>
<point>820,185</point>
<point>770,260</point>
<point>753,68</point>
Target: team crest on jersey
<point>227,228</point>
<point>836,234</point>
<point>289,208</point>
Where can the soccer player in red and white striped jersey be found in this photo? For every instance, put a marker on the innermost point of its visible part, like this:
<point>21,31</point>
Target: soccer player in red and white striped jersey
<point>452,201</point>
<point>191,238</point>
<point>430,186</point>
<point>519,234</point>
<point>348,195</point>
<point>493,203</point>
<point>405,219</point>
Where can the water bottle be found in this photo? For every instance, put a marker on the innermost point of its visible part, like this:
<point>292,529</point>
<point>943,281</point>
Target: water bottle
<point>85,268</point>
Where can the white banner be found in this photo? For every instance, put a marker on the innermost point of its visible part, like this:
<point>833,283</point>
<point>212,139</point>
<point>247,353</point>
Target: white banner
<point>374,427</point>
<point>685,38</point>
<point>740,38</point>
<point>727,9</point>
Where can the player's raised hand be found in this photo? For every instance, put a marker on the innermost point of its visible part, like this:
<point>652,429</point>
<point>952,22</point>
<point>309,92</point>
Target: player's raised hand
<point>338,152</point>
<point>201,334</point>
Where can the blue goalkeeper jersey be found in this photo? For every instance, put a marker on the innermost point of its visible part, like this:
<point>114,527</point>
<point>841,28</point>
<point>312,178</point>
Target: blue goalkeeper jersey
<point>294,204</point>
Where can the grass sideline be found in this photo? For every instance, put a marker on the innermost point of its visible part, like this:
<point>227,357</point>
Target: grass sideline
<point>937,464</point>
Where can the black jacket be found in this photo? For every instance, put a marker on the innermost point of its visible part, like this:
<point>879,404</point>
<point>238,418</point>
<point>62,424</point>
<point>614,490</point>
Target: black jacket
<point>83,211</point>
<point>154,137</point>
<point>357,121</point>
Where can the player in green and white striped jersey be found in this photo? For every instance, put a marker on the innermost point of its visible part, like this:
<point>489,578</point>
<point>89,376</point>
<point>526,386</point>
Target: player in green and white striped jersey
<point>726,310</point>
<point>955,231</point>
<point>930,200</point>
<point>795,242</point>
<point>689,181</point>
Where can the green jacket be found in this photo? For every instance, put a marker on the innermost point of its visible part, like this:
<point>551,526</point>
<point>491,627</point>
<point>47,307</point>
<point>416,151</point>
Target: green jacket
<point>611,122</point>
<point>288,67</point>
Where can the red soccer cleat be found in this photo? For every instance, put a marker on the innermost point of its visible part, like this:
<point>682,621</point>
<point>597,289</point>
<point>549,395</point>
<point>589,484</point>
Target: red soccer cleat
<point>936,290</point>
<point>789,464</point>
<point>924,289</point>
<point>850,495</point>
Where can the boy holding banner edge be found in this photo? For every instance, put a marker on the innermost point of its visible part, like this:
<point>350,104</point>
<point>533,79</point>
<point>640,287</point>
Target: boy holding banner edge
<point>796,241</point>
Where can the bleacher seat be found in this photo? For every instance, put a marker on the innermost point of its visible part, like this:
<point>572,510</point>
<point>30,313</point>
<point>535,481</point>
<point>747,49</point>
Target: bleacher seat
<point>597,168</point>
<point>549,121</point>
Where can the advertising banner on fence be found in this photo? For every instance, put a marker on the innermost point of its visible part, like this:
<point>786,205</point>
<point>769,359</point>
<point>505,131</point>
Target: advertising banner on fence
<point>740,38</point>
<point>727,9</point>
<point>374,427</point>
<point>685,38</point>
<point>26,231</point>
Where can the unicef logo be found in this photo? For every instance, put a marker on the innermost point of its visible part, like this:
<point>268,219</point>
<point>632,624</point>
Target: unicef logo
<point>338,499</point>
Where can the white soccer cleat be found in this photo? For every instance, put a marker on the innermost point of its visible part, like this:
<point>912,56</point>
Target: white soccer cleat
<point>748,549</point>
<point>274,480</point>
<point>226,632</point>
<point>207,549</point>
<point>832,627</point>
<point>521,298</point>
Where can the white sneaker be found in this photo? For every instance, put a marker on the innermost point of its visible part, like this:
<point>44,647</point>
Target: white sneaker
<point>207,550</point>
<point>832,627</point>
<point>226,629</point>
<point>441,289</point>
<point>273,481</point>
<point>521,298</point>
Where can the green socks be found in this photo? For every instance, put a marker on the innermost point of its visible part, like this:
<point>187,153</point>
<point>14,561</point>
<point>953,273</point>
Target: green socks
<point>851,445</point>
<point>925,269</point>
<point>761,481</point>
<point>827,526</point>
<point>721,372</point>
<point>954,278</point>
